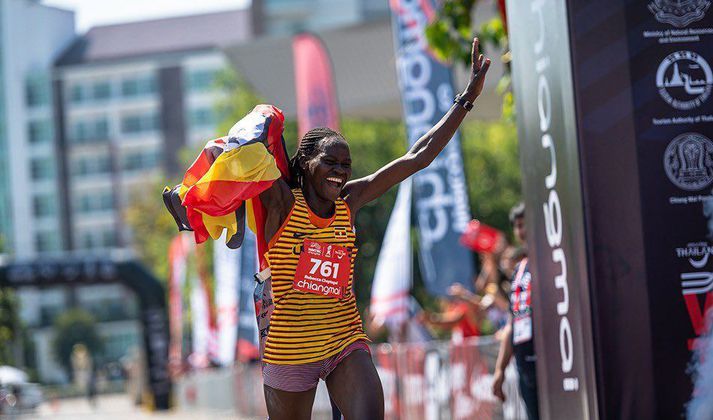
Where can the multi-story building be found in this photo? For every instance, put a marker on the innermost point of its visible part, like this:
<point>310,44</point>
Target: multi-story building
<point>120,102</point>
<point>131,96</point>
<point>32,35</point>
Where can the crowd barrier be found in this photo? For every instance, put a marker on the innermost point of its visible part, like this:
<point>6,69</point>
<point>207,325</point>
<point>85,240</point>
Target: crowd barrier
<point>425,381</point>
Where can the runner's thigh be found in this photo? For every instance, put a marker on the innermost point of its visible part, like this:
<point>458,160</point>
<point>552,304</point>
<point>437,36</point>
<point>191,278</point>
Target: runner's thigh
<point>356,388</point>
<point>284,405</point>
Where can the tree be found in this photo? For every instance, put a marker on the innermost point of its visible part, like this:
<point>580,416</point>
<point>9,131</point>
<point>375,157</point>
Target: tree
<point>492,168</point>
<point>450,35</point>
<point>74,327</point>
<point>9,326</point>
<point>152,226</point>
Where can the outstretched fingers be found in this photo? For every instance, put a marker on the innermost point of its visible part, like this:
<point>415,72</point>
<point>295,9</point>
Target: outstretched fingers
<point>474,58</point>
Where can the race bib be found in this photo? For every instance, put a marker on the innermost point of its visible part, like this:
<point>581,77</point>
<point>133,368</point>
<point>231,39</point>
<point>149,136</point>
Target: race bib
<point>522,329</point>
<point>323,269</point>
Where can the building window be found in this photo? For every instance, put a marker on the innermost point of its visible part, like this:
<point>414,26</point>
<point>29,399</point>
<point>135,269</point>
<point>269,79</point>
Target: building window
<point>37,91</point>
<point>41,169</point>
<point>201,117</point>
<point>46,241</point>
<point>87,241</point>
<point>95,165</point>
<point>202,80</point>
<point>138,86</point>
<point>84,92</point>
<point>101,91</point>
<point>77,94</point>
<point>90,131</point>
<point>39,131</point>
<point>137,161</point>
<point>108,238</point>
<point>95,202</point>
<point>140,123</point>
<point>44,205</point>
<point>102,239</point>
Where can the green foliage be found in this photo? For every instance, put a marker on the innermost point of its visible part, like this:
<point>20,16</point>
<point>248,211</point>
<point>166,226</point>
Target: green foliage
<point>240,100</point>
<point>74,327</point>
<point>450,35</point>
<point>9,324</point>
<point>152,226</point>
<point>492,168</point>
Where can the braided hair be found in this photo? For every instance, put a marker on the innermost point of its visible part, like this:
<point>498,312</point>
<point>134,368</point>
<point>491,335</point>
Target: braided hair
<point>306,149</point>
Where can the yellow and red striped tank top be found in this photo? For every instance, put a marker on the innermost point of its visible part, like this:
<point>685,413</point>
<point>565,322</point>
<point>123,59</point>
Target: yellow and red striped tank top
<point>305,327</point>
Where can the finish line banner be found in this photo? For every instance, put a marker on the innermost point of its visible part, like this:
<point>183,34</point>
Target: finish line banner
<point>440,192</point>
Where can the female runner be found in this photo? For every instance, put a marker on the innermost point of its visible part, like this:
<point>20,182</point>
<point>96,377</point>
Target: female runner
<point>315,330</point>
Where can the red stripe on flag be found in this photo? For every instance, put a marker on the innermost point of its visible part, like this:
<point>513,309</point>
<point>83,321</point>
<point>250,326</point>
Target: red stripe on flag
<point>218,198</point>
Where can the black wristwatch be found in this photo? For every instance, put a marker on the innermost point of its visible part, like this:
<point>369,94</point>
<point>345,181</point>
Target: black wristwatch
<point>468,105</point>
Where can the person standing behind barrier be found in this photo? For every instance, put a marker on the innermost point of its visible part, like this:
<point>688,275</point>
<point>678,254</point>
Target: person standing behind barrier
<point>517,338</point>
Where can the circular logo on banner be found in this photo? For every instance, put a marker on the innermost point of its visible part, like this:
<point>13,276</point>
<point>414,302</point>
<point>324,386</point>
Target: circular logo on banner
<point>688,161</point>
<point>679,13</point>
<point>684,80</point>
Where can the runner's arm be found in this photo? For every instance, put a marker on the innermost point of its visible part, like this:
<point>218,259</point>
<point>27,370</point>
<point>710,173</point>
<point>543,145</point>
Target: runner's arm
<point>506,350</point>
<point>361,191</point>
<point>277,201</point>
<point>503,360</point>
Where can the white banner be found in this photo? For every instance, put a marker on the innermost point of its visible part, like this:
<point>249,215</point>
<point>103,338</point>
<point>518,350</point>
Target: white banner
<point>246,322</point>
<point>393,274</point>
<point>226,263</point>
<point>201,325</point>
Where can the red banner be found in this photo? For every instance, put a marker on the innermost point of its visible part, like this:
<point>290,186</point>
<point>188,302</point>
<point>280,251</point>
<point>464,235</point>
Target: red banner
<point>177,260</point>
<point>316,96</point>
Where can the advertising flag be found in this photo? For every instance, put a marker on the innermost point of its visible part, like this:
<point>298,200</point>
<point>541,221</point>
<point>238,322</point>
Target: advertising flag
<point>226,266</point>
<point>440,193</point>
<point>393,275</point>
<point>201,331</point>
<point>247,344</point>
<point>177,260</point>
<point>316,96</point>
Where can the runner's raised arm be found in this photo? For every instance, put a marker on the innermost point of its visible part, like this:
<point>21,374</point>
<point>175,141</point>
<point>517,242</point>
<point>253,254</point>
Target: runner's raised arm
<point>361,191</point>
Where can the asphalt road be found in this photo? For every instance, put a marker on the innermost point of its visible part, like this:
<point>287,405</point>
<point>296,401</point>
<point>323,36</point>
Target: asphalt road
<point>114,407</point>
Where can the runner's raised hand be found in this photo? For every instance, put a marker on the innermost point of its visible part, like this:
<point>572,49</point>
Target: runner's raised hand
<point>479,66</point>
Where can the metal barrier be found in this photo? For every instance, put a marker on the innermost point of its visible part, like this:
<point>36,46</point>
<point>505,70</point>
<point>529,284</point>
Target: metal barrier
<point>425,381</point>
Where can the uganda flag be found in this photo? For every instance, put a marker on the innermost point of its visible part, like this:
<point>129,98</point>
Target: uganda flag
<point>229,172</point>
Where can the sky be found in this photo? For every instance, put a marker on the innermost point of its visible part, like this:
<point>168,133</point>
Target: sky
<point>90,13</point>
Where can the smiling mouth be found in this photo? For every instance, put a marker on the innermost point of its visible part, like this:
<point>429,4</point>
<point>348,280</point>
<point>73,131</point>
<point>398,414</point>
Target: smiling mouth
<point>335,182</point>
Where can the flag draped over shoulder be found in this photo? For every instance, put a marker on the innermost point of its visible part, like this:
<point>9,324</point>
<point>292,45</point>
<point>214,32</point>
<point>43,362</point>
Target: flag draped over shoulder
<point>218,189</point>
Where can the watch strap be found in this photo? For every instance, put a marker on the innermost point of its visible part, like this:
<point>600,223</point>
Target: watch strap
<point>468,105</point>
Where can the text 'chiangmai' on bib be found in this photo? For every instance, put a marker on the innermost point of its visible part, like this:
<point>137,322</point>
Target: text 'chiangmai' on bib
<point>323,269</point>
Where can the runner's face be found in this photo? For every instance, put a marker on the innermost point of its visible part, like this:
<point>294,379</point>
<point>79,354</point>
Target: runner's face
<point>330,168</point>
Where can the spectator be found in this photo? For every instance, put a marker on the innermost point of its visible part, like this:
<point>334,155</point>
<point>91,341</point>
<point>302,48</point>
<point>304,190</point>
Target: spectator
<point>461,317</point>
<point>411,330</point>
<point>517,335</point>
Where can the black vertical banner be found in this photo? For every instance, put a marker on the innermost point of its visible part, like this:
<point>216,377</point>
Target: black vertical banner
<point>440,191</point>
<point>616,126</point>
<point>549,156</point>
<point>671,53</point>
